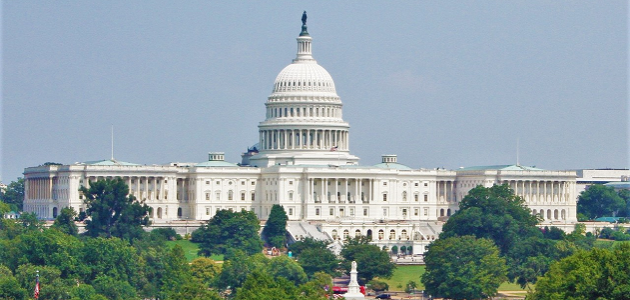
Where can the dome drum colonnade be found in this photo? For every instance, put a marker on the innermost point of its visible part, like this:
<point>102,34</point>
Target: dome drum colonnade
<point>304,115</point>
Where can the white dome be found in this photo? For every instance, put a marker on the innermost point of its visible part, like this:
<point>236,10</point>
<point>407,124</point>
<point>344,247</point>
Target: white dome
<point>308,77</point>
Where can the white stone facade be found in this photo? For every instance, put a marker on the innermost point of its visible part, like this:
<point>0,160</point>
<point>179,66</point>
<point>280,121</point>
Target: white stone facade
<point>303,162</point>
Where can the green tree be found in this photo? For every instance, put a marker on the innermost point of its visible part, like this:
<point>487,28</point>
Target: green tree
<point>10,289</point>
<point>176,272</point>
<point>314,256</point>
<point>371,260</point>
<point>14,194</point>
<point>65,221</point>
<point>113,258</point>
<point>285,267</point>
<point>113,212</point>
<point>204,269</point>
<point>463,268</point>
<point>494,213</point>
<point>275,231</point>
<point>594,274</point>
<point>195,290</point>
<point>600,201</point>
<point>229,230</point>
<point>236,269</point>
<point>114,289</point>
<point>262,286</point>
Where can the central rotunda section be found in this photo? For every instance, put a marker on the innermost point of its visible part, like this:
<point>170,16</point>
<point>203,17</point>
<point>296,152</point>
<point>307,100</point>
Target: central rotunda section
<point>304,123</point>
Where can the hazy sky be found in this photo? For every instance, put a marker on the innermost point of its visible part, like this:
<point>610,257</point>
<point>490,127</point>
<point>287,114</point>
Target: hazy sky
<point>440,83</point>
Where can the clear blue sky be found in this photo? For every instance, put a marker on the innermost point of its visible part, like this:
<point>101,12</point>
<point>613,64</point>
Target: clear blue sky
<point>440,83</point>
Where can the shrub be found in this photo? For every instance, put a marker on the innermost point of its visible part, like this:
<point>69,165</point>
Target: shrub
<point>378,285</point>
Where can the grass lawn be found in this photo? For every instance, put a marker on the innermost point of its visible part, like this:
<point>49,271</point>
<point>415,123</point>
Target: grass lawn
<point>190,249</point>
<point>405,273</point>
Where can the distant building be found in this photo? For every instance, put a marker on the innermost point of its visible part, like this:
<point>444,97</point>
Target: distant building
<point>587,177</point>
<point>302,161</point>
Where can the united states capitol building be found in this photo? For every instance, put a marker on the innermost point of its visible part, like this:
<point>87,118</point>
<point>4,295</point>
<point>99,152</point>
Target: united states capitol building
<point>303,162</point>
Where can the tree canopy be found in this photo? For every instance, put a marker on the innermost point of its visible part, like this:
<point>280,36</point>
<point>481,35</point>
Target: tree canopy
<point>601,201</point>
<point>229,230</point>
<point>275,230</point>
<point>594,274</point>
<point>314,256</point>
<point>463,268</point>
<point>113,211</point>
<point>371,260</point>
<point>14,194</point>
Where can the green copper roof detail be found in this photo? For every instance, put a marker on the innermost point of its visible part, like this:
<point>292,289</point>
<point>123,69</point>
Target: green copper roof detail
<point>108,162</point>
<point>395,166</point>
<point>501,168</point>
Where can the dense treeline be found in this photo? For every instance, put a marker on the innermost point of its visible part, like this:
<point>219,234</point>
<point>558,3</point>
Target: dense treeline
<point>116,259</point>
<point>494,236</point>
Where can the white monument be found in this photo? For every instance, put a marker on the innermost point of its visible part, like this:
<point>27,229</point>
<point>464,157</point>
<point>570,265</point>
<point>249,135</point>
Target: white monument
<point>354,290</point>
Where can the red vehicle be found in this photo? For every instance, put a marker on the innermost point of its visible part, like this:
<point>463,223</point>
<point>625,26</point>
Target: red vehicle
<point>343,290</point>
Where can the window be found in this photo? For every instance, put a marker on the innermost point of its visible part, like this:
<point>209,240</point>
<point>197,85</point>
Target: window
<point>351,211</point>
<point>334,234</point>
<point>242,196</point>
<point>384,182</point>
<point>218,182</point>
<point>415,184</point>
<point>357,233</point>
<point>207,181</point>
<point>381,234</point>
<point>415,212</point>
<point>385,197</point>
<point>207,211</point>
<point>218,196</point>
<point>426,211</point>
<point>207,196</point>
<point>253,197</point>
<point>346,233</point>
<point>362,196</point>
<point>242,182</point>
<point>416,197</point>
<point>392,234</point>
<point>426,197</point>
<point>365,212</point>
<point>404,212</point>
<point>426,184</point>
<point>317,211</point>
<point>290,211</point>
<point>332,211</point>
<point>291,182</point>
<point>404,196</point>
<point>384,212</point>
<point>253,183</point>
<point>230,195</point>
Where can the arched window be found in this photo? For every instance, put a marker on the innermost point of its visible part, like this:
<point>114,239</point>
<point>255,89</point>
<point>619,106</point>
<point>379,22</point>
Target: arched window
<point>549,214</point>
<point>381,234</point>
<point>346,233</point>
<point>54,212</point>
<point>392,234</point>
<point>403,234</point>
<point>555,214</point>
<point>179,212</point>
<point>441,212</point>
<point>334,234</point>
<point>159,213</point>
<point>357,233</point>
<point>448,212</point>
<point>404,196</point>
<point>563,214</point>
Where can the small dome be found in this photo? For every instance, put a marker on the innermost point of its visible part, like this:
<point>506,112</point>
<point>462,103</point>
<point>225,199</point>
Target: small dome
<point>309,77</point>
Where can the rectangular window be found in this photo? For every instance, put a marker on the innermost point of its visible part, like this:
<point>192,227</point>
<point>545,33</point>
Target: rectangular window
<point>291,182</point>
<point>218,182</point>
<point>317,211</point>
<point>426,198</point>
<point>351,211</point>
<point>207,211</point>
<point>365,212</point>
<point>415,211</point>
<point>290,211</point>
<point>332,211</point>
<point>385,197</point>
<point>207,196</point>
<point>253,196</point>
<point>218,196</point>
<point>426,211</point>
<point>426,184</point>
<point>415,184</point>
<point>242,182</point>
<point>253,183</point>
<point>242,196</point>
<point>207,181</point>
<point>384,212</point>
<point>384,182</point>
<point>290,196</point>
<point>416,197</point>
